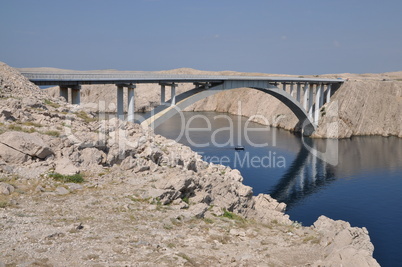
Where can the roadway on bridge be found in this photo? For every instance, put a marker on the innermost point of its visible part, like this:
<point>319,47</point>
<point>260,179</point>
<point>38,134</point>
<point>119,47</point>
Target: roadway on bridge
<point>45,77</point>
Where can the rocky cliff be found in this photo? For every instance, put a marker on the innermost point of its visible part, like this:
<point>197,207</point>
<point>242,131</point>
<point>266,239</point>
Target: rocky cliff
<point>77,191</point>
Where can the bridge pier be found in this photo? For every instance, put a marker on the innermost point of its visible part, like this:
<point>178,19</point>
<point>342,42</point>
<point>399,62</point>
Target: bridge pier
<point>322,95</point>
<point>310,101</point>
<point>298,92</point>
<point>74,91</point>
<point>173,94</point>
<point>76,95</point>
<point>163,94</point>
<point>306,92</point>
<point>328,93</point>
<point>63,92</point>
<point>120,99</point>
<point>131,102</point>
<point>291,89</point>
<point>317,105</point>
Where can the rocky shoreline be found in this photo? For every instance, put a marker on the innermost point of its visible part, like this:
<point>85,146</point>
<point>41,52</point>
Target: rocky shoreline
<point>77,191</point>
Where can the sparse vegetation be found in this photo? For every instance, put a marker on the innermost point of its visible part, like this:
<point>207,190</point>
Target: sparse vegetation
<point>52,104</point>
<point>14,127</point>
<point>3,204</point>
<point>186,200</point>
<point>187,258</point>
<point>312,239</point>
<point>76,178</point>
<point>171,245</point>
<point>52,133</point>
<point>208,220</point>
<point>18,128</point>
<point>168,226</point>
<point>232,216</point>
<point>138,199</point>
<point>30,123</point>
<point>83,115</point>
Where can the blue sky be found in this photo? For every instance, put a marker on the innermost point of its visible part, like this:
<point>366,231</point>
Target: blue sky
<point>293,37</point>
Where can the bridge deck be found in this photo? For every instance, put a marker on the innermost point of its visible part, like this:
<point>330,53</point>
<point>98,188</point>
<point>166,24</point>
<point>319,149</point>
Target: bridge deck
<point>117,78</point>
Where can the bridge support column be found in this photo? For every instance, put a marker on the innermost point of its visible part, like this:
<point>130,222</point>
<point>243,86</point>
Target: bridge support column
<point>317,104</point>
<point>328,93</point>
<point>131,103</point>
<point>163,94</point>
<point>310,101</point>
<point>284,86</point>
<point>64,92</point>
<point>322,95</point>
<point>298,92</point>
<point>291,89</point>
<point>306,93</point>
<point>76,95</point>
<point>120,104</point>
<point>173,94</point>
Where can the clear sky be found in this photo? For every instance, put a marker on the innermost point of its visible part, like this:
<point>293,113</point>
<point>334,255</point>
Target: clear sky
<point>293,37</point>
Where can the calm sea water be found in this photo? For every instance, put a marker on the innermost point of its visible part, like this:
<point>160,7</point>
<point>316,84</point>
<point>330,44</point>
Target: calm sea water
<point>364,188</point>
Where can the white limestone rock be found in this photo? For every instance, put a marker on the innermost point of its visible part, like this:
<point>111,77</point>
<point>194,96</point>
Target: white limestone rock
<point>19,147</point>
<point>6,189</point>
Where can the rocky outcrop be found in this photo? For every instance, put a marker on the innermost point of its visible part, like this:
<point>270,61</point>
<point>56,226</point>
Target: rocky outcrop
<point>18,147</point>
<point>12,83</point>
<point>364,108</point>
<point>344,243</point>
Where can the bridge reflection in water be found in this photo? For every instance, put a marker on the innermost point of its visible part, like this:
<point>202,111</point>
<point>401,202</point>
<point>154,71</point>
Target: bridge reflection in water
<point>306,175</point>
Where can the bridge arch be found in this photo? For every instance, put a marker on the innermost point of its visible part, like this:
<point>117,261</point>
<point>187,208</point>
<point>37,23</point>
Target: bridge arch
<point>165,111</point>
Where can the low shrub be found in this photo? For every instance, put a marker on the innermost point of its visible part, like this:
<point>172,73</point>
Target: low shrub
<point>76,178</point>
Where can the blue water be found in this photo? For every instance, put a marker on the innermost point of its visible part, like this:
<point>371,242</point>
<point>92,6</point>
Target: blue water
<point>364,188</point>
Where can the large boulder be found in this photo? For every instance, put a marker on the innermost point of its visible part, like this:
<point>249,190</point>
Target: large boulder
<point>19,147</point>
<point>65,166</point>
<point>345,245</point>
<point>6,189</point>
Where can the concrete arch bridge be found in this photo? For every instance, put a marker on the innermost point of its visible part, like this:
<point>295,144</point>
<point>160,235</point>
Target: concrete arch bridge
<point>303,96</point>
